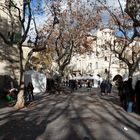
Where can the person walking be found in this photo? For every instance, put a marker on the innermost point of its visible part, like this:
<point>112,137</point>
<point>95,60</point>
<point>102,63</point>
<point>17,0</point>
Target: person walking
<point>30,89</point>
<point>128,95</point>
<point>119,83</point>
<point>103,87</point>
<point>108,87</point>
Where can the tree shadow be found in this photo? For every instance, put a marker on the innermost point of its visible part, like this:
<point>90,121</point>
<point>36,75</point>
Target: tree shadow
<point>63,117</point>
<point>120,117</point>
<point>111,99</point>
<point>28,123</point>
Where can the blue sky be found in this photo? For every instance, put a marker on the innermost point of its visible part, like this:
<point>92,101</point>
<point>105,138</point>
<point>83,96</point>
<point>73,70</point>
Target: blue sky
<point>41,17</point>
<point>39,5</point>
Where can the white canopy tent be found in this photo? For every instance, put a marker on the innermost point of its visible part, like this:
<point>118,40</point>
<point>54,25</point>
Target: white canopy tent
<point>38,80</point>
<point>96,79</point>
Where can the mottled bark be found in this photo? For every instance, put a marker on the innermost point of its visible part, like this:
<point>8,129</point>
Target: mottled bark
<point>20,98</point>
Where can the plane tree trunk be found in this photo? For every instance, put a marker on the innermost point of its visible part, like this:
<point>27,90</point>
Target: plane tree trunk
<point>20,97</point>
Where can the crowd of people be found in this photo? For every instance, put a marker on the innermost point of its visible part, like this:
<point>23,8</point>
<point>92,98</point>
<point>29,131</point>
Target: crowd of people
<point>11,94</point>
<point>106,87</point>
<point>75,84</point>
<point>129,97</point>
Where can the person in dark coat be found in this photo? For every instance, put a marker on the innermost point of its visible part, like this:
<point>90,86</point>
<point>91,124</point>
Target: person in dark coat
<point>103,87</point>
<point>128,93</point>
<point>137,92</point>
<point>119,84</point>
<point>73,85</point>
<point>108,87</point>
<point>30,89</point>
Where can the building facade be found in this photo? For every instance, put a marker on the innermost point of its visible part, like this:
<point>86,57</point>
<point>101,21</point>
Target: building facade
<point>11,30</point>
<point>101,61</point>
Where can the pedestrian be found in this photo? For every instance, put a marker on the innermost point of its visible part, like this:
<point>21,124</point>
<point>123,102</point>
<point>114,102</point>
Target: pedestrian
<point>108,87</point>
<point>30,89</point>
<point>137,94</point>
<point>72,85</point>
<point>103,87</point>
<point>88,85</point>
<point>121,95</point>
<point>128,95</point>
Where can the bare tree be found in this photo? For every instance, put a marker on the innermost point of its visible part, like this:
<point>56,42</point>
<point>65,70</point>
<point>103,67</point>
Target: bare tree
<point>24,17</point>
<point>20,18</point>
<point>75,22</point>
<point>125,24</point>
<point>133,10</point>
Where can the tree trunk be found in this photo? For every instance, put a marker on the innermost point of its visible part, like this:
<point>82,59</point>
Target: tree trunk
<point>20,97</point>
<point>61,72</point>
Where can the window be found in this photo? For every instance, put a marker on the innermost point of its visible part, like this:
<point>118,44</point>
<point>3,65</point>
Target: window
<point>105,58</point>
<point>105,70</point>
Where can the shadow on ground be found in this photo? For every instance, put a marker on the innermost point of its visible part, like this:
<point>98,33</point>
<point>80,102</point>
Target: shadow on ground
<point>66,117</point>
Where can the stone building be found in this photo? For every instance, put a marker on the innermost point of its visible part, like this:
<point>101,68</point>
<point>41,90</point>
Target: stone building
<point>101,60</point>
<point>9,28</point>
